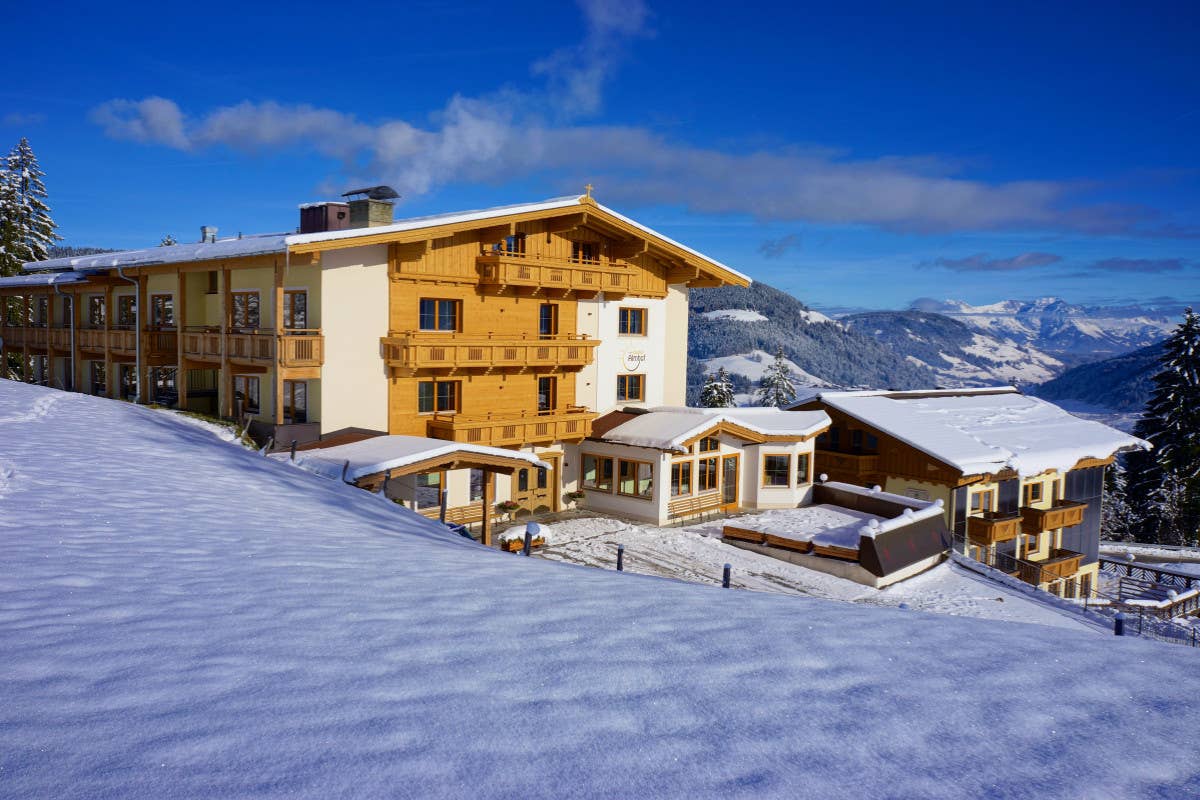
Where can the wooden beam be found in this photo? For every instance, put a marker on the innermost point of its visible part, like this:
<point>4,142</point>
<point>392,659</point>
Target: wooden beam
<point>277,380</point>
<point>143,317</point>
<point>225,387</point>
<point>181,387</point>
<point>485,533</point>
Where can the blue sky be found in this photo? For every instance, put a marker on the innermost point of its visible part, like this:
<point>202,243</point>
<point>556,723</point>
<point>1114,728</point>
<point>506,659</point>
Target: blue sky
<point>863,156</point>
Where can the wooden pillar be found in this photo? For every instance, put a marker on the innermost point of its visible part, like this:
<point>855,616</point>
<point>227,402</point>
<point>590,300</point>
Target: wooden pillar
<point>180,323</point>
<point>76,366</point>
<point>277,371</point>
<point>485,533</point>
<point>110,380</point>
<point>26,372</point>
<point>143,339</point>
<point>225,389</point>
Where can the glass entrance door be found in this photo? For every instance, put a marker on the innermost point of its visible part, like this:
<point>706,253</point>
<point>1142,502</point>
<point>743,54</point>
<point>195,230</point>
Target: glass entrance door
<point>729,481</point>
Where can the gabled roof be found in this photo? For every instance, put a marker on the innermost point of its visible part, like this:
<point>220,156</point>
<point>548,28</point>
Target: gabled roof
<point>263,244</point>
<point>985,431</point>
<point>380,454</point>
<point>673,427</point>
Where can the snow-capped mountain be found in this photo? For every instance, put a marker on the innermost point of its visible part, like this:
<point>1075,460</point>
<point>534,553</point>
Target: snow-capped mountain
<point>1073,333</point>
<point>957,353</point>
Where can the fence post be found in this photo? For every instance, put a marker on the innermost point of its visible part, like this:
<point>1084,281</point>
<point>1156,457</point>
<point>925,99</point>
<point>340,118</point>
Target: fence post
<point>1119,624</point>
<point>620,558</point>
<point>293,449</point>
<point>725,577</point>
<point>442,506</point>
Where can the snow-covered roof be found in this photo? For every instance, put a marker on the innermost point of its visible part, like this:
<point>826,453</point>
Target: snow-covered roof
<point>980,431</point>
<point>43,279</point>
<point>668,427</point>
<point>261,244</point>
<point>381,453</point>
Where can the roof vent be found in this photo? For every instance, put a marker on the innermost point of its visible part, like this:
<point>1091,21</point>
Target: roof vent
<point>208,234</point>
<point>371,206</point>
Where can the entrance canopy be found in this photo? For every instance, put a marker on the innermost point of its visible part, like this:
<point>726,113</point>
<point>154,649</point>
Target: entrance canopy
<point>371,459</point>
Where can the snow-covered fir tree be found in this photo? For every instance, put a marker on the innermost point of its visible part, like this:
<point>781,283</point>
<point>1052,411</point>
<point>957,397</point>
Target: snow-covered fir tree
<point>776,387</point>
<point>168,241</point>
<point>26,227</point>
<point>1119,522</point>
<point>718,390</point>
<point>1171,423</point>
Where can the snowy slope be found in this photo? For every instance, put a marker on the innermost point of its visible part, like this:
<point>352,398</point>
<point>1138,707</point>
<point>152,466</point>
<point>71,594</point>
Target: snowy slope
<point>736,314</point>
<point>182,618</point>
<point>753,364</point>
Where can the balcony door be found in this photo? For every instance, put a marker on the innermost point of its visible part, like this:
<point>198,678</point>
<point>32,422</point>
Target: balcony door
<point>729,482</point>
<point>536,490</point>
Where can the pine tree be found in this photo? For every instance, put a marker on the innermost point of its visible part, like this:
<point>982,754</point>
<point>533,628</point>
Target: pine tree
<point>718,390</point>
<point>1119,522</point>
<point>1167,479</point>
<point>26,228</point>
<point>168,241</point>
<point>776,387</point>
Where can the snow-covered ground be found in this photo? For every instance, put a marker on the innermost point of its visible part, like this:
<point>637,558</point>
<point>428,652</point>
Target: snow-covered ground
<point>754,363</point>
<point>735,314</point>
<point>696,553</point>
<point>183,618</point>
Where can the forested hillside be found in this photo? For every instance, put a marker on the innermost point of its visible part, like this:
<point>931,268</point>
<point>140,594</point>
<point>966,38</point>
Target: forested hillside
<point>1123,383</point>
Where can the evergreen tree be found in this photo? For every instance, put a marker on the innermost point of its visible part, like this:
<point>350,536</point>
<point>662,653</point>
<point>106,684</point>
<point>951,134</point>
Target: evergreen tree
<point>1119,522</point>
<point>776,387</point>
<point>1165,482</point>
<point>168,241</point>
<point>717,391</point>
<point>26,228</point>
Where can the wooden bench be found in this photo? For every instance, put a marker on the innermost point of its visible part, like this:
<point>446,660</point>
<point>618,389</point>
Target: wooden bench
<point>459,515</point>
<point>694,506</point>
<point>743,534</point>
<point>783,542</point>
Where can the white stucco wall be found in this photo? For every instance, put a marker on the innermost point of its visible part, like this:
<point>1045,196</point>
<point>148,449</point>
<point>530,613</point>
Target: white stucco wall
<point>616,353</point>
<point>354,315</point>
<point>675,352</point>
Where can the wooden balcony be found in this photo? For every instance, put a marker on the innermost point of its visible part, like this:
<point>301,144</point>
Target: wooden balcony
<point>302,348</point>
<point>162,345</point>
<point>1063,514</point>
<point>93,339</point>
<point>847,463</point>
<point>515,269</point>
<point>202,344</point>
<point>60,338</point>
<point>295,348</point>
<point>992,527</point>
<point>454,351</point>
<point>1062,563</point>
<point>122,340</point>
<point>507,430</point>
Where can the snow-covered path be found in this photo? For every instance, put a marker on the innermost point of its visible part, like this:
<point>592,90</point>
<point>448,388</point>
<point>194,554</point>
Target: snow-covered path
<point>696,554</point>
<point>182,618</point>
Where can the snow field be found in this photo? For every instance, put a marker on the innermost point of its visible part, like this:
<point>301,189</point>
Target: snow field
<point>183,618</point>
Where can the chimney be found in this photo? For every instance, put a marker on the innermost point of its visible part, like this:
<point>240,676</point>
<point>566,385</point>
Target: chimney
<point>374,208</point>
<point>208,234</point>
<point>321,217</point>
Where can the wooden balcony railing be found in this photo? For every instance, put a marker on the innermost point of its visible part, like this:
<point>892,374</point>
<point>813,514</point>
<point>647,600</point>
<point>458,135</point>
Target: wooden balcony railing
<point>91,339</point>
<point>122,339</point>
<point>60,338</point>
<point>302,348</point>
<point>992,527</point>
<point>1062,563</point>
<point>855,464</point>
<point>202,344</point>
<point>162,343</point>
<point>516,269</point>
<point>499,430</point>
<point>1062,514</point>
<point>418,350</point>
<point>296,348</point>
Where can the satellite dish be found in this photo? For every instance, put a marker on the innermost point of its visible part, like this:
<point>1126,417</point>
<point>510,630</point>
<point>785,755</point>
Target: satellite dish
<point>375,193</point>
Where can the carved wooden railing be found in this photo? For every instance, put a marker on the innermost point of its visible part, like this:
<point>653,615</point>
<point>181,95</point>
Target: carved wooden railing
<point>498,429</point>
<point>421,350</point>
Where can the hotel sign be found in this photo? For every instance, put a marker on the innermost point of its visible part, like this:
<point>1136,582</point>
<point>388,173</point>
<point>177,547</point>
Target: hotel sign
<point>634,360</point>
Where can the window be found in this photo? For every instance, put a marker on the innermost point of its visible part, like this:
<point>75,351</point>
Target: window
<point>681,478</point>
<point>128,381</point>
<point>1032,544</point>
<point>917,494</point>
<point>438,315</point>
<point>437,396</point>
<point>41,312</point>
<point>547,394</point>
<point>597,473</point>
<point>708,444</point>
<point>635,478</point>
<point>585,252</point>
<point>429,490</point>
<point>245,392</point>
<point>295,401</point>
<point>295,308</point>
<point>835,439</point>
<point>523,480</point>
<point>246,310</point>
<point>777,470</point>
<point>99,379</point>
<point>68,304</point>
<point>872,444</point>
<point>96,310</point>
<point>476,480</point>
<point>856,440</point>
<point>214,285</point>
<point>127,311</point>
<point>631,321</point>
<point>547,320</point>
<point>802,469</point>
<point>706,474</point>
<point>542,477</point>
<point>162,310</point>
<point>631,387</point>
<point>1033,493</point>
<point>981,501</point>
<point>513,245</point>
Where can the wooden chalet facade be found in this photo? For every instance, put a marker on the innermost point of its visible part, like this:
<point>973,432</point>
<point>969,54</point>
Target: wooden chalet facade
<point>511,327</point>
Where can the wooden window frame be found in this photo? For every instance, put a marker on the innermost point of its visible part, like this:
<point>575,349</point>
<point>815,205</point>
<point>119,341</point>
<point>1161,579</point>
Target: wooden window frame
<point>716,444</point>
<point>623,394</point>
<point>95,302</point>
<point>156,305</point>
<point>436,408</point>
<point>786,471</point>
<point>578,256</point>
<point>246,381</point>
<point>714,474</point>
<point>233,310</point>
<point>288,387</point>
<point>126,310</point>
<point>595,486</point>
<point>553,309</point>
<point>625,317</point>
<point>803,469</point>
<point>678,470</point>
<point>289,309</point>
<point>1033,543</point>
<point>553,393</point>
<point>984,507</point>
<point>437,315</point>
<point>1028,492</point>
<point>621,462</point>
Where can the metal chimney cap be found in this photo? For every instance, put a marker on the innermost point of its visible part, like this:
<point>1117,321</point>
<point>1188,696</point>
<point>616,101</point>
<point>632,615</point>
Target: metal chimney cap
<point>375,193</point>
